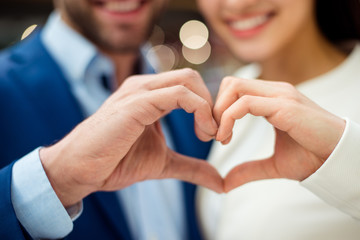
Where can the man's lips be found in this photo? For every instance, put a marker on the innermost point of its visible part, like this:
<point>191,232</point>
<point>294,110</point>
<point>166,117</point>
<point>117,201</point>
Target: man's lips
<point>120,7</point>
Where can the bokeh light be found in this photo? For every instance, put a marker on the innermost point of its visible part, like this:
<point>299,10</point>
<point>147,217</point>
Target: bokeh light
<point>28,31</point>
<point>197,56</point>
<point>194,34</point>
<point>162,58</point>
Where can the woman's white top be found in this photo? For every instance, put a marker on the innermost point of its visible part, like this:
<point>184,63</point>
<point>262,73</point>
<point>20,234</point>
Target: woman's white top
<point>326,205</point>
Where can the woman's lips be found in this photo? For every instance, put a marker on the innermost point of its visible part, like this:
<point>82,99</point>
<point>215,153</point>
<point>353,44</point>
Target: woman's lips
<point>249,26</point>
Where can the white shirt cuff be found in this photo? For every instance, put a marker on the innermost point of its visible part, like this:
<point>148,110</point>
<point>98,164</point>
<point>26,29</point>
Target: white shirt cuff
<point>337,181</point>
<point>36,205</point>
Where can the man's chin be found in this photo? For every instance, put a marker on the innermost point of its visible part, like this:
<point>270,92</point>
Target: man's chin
<point>125,48</point>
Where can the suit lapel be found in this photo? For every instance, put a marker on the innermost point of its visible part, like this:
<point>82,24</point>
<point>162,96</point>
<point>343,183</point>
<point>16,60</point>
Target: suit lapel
<point>41,80</point>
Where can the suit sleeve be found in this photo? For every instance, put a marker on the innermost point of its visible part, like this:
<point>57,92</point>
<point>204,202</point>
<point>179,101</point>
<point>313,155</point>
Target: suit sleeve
<point>10,227</point>
<point>337,181</point>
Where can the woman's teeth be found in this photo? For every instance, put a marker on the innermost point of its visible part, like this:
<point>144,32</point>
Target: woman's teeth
<point>249,23</point>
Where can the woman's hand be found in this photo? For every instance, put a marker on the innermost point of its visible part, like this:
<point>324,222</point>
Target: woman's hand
<point>306,134</point>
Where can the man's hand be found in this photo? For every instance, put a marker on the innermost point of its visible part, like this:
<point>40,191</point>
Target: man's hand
<point>306,134</point>
<point>122,142</point>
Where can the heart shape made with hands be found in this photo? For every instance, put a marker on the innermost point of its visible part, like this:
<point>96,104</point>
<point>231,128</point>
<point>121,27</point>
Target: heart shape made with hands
<point>305,136</point>
<point>305,133</point>
<point>128,146</point>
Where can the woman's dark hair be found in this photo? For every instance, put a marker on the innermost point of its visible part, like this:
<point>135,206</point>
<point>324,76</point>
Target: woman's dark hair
<point>339,20</point>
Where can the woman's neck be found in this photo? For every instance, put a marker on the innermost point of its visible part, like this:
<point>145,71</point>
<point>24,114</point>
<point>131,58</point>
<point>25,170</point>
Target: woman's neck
<point>306,58</point>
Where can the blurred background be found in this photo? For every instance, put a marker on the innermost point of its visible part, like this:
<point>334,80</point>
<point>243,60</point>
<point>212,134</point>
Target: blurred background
<point>181,39</point>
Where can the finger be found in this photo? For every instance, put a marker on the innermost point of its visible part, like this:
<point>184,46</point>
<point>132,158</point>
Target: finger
<point>257,106</point>
<point>225,97</point>
<point>203,134</point>
<point>227,140</point>
<point>205,125</point>
<point>187,77</point>
<point>230,90</point>
<point>193,170</point>
<point>157,102</point>
<point>250,171</point>
<point>255,87</point>
<point>233,88</point>
<point>159,129</point>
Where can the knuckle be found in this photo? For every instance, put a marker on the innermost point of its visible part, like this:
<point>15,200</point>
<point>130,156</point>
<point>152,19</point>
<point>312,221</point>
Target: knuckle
<point>246,99</point>
<point>181,90</point>
<point>133,82</point>
<point>191,74</point>
<point>227,114</point>
<point>228,80</point>
<point>289,105</point>
<point>287,86</point>
<point>290,92</point>
<point>204,104</point>
<point>238,83</point>
<point>131,79</point>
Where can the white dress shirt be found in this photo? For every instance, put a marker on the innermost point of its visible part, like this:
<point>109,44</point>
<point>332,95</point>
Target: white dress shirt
<point>286,209</point>
<point>154,209</point>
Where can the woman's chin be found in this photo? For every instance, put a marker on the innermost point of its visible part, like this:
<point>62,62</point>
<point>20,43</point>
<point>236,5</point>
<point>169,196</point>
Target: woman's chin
<point>252,57</point>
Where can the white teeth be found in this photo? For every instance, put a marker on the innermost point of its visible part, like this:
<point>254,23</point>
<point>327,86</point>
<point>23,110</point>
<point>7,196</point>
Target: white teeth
<point>122,6</point>
<point>249,23</point>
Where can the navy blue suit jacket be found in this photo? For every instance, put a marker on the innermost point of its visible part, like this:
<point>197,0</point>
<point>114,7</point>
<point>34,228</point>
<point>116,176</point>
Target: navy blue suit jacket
<point>37,108</point>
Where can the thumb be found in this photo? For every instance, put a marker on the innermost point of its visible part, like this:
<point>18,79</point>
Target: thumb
<point>248,172</point>
<point>193,170</point>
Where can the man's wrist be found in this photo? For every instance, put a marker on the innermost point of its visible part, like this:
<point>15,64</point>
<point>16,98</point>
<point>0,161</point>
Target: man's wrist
<point>66,188</point>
